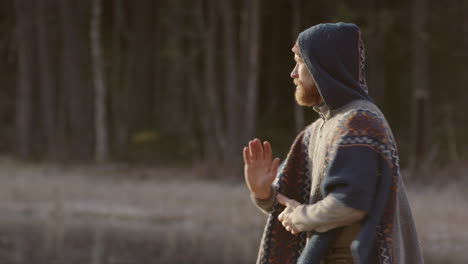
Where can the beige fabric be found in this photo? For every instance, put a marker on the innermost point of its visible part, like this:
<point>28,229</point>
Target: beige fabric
<point>266,205</point>
<point>347,235</point>
<point>324,215</point>
<point>340,253</point>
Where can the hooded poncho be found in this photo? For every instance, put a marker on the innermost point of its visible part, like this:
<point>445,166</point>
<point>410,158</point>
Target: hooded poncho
<point>358,162</point>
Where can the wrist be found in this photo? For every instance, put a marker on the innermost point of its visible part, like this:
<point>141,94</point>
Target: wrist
<point>264,196</point>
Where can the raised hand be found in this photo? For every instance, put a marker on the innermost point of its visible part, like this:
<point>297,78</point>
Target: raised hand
<point>259,170</point>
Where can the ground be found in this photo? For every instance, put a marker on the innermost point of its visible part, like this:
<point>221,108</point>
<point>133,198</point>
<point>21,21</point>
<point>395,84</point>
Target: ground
<point>120,214</point>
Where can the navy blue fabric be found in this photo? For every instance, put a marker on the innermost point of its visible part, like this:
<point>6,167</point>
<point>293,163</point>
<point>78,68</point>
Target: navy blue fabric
<point>317,247</point>
<point>361,179</point>
<point>364,245</point>
<point>351,177</point>
<point>331,53</point>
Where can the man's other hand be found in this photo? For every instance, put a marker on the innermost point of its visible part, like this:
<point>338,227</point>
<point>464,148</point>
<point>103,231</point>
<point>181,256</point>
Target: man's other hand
<point>285,216</point>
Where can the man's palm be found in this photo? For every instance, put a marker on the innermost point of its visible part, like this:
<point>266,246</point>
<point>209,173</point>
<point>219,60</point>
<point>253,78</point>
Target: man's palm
<point>260,170</point>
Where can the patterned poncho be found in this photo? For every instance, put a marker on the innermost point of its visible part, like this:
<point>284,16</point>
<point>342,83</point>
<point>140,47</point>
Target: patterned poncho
<point>360,162</point>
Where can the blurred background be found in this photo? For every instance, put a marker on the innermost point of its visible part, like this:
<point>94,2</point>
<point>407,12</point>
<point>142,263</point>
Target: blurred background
<point>122,122</point>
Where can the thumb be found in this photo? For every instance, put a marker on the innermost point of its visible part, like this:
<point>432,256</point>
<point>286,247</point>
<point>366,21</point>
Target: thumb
<point>283,199</point>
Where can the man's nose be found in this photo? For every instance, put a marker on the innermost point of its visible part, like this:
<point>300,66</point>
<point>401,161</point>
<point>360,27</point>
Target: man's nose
<point>294,74</point>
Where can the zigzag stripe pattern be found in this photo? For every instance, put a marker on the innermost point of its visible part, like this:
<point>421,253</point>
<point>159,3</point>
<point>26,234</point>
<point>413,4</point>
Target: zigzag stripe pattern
<point>278,246</point>
<point>308,179</point>
<point>382,148</point>
<point>359,127</point>
<point>383,252</point>
<point>365,127</point>
<point>362,64</point>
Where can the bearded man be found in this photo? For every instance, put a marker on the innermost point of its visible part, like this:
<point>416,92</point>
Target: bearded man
<point>338,197</point>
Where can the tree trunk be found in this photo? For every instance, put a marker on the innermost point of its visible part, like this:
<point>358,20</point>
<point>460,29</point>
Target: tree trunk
<point>25,78</point>
<point>118,90</point>
<point>252,72</point>
<point>74,87</point>
<point>233,108</point>
<point>177,80</point>
<point>462,115</point>
<point>214,138</point>
<point>101,150</point>
<point>420,96</point>
<point>140,66</point>
<point>296,23</point>
<point>47,81</point>
<point>375,50</point>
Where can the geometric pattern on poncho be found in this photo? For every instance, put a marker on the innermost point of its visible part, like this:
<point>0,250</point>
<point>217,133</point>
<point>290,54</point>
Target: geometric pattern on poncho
<point>360,127</point>
<point>362,64</point>
<point>293,180</point>
<point>363,127</point>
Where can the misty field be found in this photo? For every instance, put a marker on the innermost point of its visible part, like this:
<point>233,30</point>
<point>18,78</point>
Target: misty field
<point>120,214</point>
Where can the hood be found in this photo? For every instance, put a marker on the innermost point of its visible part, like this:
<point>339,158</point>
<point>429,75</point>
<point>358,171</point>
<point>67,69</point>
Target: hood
<point>334,55</point>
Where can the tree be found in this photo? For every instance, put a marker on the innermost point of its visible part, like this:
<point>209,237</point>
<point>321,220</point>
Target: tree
<point>76,94</point>
<point>232,93</point>
<point>379,21</point>
<point>208,104</point>
<point>252,68</point>
<point>296,23</point>
<point>117,89</point>
<point>101,149</point>
<point>47,82</point>
<point>25,78</point>
<point>420,94</point>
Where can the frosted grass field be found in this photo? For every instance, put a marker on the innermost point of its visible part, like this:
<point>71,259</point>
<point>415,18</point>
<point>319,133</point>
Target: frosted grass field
<point>54,214</point>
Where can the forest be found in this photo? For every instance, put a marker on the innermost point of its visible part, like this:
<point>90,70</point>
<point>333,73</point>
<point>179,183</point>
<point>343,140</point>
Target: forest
<point>122,123</point>
<point>193,80</point>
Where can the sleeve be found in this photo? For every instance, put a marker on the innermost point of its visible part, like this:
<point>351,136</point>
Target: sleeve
<point>352,176</point>
<point>349,186</point>
<point>324,215</point>
<point>266,206</point>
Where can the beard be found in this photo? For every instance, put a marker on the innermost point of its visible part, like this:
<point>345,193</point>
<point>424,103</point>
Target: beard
<point>306,97</point>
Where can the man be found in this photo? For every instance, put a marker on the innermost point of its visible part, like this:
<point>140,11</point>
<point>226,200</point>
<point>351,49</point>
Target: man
<point>338,197</point>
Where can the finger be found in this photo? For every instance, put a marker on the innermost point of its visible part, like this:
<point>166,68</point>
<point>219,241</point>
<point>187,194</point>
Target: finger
<point>294,231</point>
<point>252,150</point>
<point>259,149</point>
<point>282,199</point>
<point>294,204</point>
<point>280,217</point>
<point>267,147</point>
<point>274,167</point>
<point>246,154</point>
<point>288,228</point>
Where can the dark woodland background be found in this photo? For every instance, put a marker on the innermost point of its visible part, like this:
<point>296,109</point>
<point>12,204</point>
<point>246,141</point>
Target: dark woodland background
<point>122,122</point>
<point>193,80</point>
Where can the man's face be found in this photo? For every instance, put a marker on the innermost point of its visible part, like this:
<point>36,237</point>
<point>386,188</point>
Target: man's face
<point>306,90</point>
